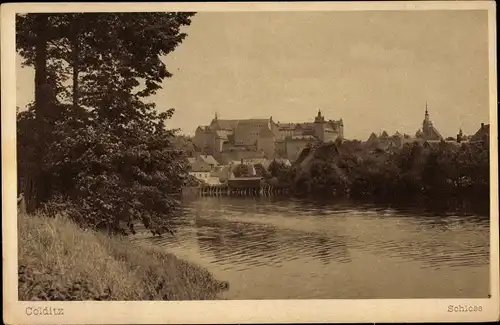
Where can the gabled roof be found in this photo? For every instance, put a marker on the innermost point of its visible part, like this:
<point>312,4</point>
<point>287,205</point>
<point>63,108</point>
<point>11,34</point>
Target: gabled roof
<point>209,160</point>
<point>254,121</point>
<point>199,166</point>
<point>218,124</point>
<point>202,128</point>
<point>372,137</point>
<point>434,133</point>
<point>482,133</point>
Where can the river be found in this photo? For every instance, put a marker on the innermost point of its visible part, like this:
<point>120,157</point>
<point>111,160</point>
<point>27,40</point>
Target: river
<point>291,249</point>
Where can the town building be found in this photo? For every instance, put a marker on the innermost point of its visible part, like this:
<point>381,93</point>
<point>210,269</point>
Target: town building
<point>228,140</point>
<point>245,182</point>
<point>387,142</point>
<point>204,168</point>
<point>428,131</point>
<point>427,134</point>
<point>482,135</point>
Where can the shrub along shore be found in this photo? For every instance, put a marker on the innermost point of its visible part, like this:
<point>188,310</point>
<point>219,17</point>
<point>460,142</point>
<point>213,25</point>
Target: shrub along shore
<point>350,168</point>
<point>60,261</point>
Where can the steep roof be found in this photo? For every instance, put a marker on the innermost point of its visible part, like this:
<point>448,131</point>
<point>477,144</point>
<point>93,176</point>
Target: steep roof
<point>209,160</point>
<point>202,128</point>
<point>254,121</point>
<point>482,133</point>
<point>224,124</point>
<point>434,133</point>
<point>199,166</point>
<point>372,137</point>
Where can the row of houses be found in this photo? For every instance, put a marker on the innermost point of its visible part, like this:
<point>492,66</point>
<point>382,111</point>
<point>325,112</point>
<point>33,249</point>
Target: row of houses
<point>427,136</point>
<point>212,172</point>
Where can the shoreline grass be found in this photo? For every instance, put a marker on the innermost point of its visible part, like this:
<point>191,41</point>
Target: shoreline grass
<point>60,261</point>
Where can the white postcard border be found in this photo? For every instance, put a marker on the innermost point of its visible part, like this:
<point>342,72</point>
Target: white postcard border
<point>235,311</point>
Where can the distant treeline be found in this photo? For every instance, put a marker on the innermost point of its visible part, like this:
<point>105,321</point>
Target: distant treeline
<point>439,170</point>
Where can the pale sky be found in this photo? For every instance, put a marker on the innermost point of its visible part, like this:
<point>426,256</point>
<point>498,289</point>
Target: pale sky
<point>376,70</point>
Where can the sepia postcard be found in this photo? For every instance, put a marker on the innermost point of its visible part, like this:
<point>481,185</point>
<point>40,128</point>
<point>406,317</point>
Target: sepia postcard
<point>252,162</point>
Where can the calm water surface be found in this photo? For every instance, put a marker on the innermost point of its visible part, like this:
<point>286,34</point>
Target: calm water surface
<point>288,249</point>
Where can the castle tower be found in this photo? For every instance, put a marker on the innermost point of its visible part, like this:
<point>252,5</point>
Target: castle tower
<point>319,126</point>
<point>460,136</point>
<point>319,118</point>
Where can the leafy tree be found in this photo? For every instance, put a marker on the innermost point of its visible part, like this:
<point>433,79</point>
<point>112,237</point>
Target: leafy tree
<point>261,171</point>
<point>106,152</point>
<point>413,170</point>
<point>326,178</point>
<point>281,173</point>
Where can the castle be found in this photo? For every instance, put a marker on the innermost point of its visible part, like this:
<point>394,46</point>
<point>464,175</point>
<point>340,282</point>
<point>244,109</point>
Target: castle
<point>254,138</point>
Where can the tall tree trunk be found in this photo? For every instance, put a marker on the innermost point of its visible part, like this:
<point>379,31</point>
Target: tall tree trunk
<point>41,106</point>
<point>75,48</point>
<point>41,74</point>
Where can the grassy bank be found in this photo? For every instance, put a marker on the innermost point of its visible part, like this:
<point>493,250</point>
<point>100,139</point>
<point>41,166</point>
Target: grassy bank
<point>60,261</point>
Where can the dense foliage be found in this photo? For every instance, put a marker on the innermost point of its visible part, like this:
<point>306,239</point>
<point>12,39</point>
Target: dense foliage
<point>349,168</point>
<point>95,147</point>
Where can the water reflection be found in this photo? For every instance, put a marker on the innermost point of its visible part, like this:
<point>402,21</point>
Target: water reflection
<point>249,244</point>
<point>282,248</point>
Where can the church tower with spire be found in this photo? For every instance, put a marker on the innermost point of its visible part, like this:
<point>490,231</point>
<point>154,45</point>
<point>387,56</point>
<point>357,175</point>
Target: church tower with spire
<point>429,132</point>
<point>426,124</point>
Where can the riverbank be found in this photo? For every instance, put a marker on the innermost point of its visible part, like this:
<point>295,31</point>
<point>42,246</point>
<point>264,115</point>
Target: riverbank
<point>60,261</point>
